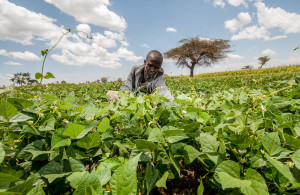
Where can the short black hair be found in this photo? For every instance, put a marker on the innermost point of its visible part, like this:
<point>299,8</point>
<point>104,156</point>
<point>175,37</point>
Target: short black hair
<point>157,54</point>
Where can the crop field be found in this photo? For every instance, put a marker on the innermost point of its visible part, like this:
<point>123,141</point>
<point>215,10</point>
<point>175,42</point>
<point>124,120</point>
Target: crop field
<point>225,133</point>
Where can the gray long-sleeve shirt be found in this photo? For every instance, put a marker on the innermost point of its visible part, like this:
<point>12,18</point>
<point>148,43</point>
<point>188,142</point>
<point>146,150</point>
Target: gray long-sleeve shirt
<point>158,83</point>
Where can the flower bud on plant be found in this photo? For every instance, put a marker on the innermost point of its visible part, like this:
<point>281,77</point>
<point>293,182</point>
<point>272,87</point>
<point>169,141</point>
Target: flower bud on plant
<point>262,151</point>
<point>30,122</point>
<point>242,152</point>
<point>290,164</point>
<point>41,115</point>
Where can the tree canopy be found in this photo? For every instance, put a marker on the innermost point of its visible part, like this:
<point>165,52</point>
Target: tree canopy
<point>263,60</point>
<point>22,78</point>
<point>196,51</point>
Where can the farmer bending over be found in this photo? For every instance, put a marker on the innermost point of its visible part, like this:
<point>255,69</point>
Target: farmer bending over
<point>145,78</point>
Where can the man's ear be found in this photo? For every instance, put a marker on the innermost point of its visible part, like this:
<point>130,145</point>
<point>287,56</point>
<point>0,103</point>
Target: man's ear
<point>144,62</point>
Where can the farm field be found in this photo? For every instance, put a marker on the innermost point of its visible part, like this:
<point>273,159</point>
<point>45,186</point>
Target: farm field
<point>225,133</point>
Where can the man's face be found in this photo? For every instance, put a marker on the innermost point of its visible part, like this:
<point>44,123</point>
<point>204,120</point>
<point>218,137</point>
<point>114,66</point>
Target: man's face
<point>152,65</point>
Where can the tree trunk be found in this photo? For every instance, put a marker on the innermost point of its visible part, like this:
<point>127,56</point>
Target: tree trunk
<point>192,71</point>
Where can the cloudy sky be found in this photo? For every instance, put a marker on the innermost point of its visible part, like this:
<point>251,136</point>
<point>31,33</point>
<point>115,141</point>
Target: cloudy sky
<point>124,31</point>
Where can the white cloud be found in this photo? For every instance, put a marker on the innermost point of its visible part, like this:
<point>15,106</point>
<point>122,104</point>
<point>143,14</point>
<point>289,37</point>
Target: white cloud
<point>237,3</point>
<point>268,20</point>
<point>268,52</point>
<point>91,12</point>
<point>28,56</point>
<point>234,57</point>
<point>104,50</point>
<point>233,25</point>
<point>277,18</point>
<point>103,41</point>
<point>170,29</point>
<point>13,63</point>
<point>145,46</point>
<point>220,3</point>
<point>21,25</point>
<point>84,28</point>
<point>254,32</point>
<point>3,52</point>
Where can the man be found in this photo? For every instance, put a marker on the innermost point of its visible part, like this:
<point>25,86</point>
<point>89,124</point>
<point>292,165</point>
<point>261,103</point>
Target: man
<point>145,78</point>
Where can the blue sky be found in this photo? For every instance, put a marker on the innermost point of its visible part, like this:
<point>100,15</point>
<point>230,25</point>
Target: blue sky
<point>125,31</point>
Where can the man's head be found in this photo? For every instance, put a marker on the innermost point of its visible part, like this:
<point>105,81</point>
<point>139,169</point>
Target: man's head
<point>152,63</point>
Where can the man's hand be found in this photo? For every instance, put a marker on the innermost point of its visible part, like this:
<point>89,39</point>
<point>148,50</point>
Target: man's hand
<point>112,96</point>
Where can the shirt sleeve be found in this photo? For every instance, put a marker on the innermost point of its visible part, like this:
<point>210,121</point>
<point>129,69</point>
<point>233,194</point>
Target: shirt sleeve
<point>127,86</point>
<point>162,89</point>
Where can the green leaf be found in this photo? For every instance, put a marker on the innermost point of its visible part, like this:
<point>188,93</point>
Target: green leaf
<point>228,181</point>
<point>49,75</point>
<point>2,152</point>
<point>190,154</point>
<point>51,98</point>
<point>257,160</point>
<point>89,183</point>
<point>208,143</point>
<point>111,163</point>
<point>36,153</point>
<point>151,176</point>
<point>51,168</point>
<point>76,165</point>
<point>52,177</point>
<point>58,140</point>
<point>22,188</point>
<point>75,178</point>
<point>296,159</point>
<point>162,181</point>
<point>291,141</point>
<point>7,178</point>
<point>48,123</point>
<point>200,188</point>
<point>104,124</point>
<point>73,130</point>
<point>156,136</point>
<point>64,105</point>
<point>281,168</point>
<point>88,128</point>
<point>144,144</point>
<point>271,143</point>
<point>37,190</point>
<point>216,157</point>
<point>229,167</point>
<point>22,102</point>
<point>123,181</point>
<point>39,75</point>
<point>89,141</point>
<point>175,163</point>
<point>7,110</point>
<point>20,117</point>
<point>28,128</point>
<point>104,176</point>
<point>172,132</point>
<point>258,184</point>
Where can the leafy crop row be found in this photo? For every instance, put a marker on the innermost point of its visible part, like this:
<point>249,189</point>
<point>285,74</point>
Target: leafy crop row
<point>232,135</point>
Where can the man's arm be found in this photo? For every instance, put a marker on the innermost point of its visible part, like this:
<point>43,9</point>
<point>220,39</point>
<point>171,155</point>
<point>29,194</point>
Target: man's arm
<point>127,86</point>
<point>162,89</point>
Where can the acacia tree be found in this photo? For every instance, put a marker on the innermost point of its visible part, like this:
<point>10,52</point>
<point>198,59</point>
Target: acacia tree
<point>263,60</point>
<point>195,51</point>
<point>21,78</point>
